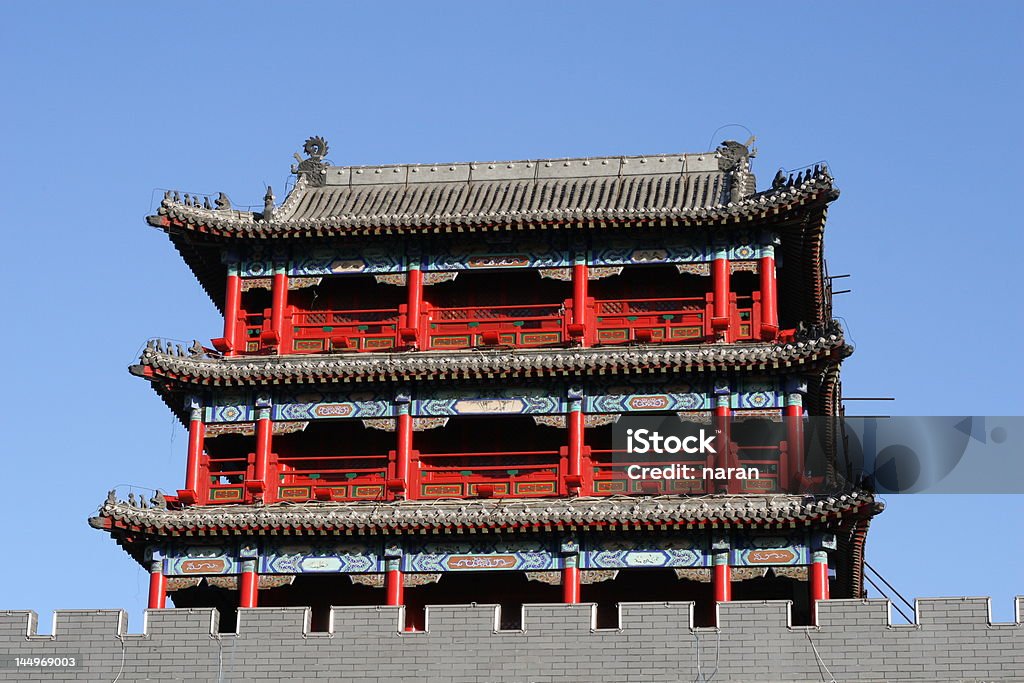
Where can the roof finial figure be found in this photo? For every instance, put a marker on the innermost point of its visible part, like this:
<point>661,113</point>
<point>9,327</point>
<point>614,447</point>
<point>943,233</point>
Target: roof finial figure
<point>313,168</point>
<point>222,202</point>
<point>779,180</point>
<point>268,204</point>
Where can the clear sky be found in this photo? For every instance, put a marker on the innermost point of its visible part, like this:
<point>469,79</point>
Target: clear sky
<point>916,107</point>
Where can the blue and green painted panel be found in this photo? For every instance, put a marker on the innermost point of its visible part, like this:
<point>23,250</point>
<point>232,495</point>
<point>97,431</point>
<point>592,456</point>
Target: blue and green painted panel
<point>201,560</point>
<point>639,397</point>
<point>313,405</point>
<point>762,550</point>
<point>483,256</point>
<point>338,558</point>
<point>753,394</point>
<point>483,555</point>
<point>621,552</point>
<point>369,259</point>
<point>491,401</point>
<point>230,407</point>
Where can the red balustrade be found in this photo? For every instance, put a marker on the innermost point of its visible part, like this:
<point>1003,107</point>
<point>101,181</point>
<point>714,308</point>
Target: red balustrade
<point>352,330</point>
<point>515,474</point>
<point>330,477</point>
<point>522,326</point>
<point>621,321</point>
<point>609,475</point>
<point>608,321</point>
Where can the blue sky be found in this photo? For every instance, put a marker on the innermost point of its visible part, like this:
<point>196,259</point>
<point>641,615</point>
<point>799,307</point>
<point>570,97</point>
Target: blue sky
<point>915,106</point>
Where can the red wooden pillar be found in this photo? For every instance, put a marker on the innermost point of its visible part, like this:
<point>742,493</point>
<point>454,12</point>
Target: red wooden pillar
<point>249,584</point>
<point>157,585</point>
<point>794,417</point>
<point>259,484</point>
<point>720,316</point>
<point>580,275</point>
<point>403,450</point>
<point>769,294</point>
<point>574,422</point>
<point>821,543</point>
<point>232,311</point>
<point>414,306</point>
<point>277,335</point>
<point>570,572</point>
<point>394,579</point>
<point>722,577</point>
<point>819,575</point>
<point>723,438</point>
<point>196,441</point>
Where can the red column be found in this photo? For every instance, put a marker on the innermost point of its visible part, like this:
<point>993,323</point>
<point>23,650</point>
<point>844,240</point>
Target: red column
<point>580,275</point>
<point>722,577</point>
<point>571,584</point>
<point>232,309</point>
<point>394,582</point>
<point>723,440</point>
<point>196,438</point>
<point>414,283</point>
<point>570,550</point>
<point>769,294</point>
<point>249,585</point>
<point>720,277</point>
<point>264,436</point>
<point>794,417</point>
<point>574,421</point>
<point>403,451</point>
<point>818,580</point>
<point>157,586</point>
<point>279,302</point>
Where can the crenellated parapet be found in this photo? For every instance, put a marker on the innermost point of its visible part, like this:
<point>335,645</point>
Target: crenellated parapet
<point>855,640</point>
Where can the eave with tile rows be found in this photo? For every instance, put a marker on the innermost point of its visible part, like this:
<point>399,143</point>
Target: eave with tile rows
<point>159,362</point>
<point>443,516</point>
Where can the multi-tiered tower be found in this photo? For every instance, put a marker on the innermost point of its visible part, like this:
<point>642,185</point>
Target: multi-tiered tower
<point>421,368</point>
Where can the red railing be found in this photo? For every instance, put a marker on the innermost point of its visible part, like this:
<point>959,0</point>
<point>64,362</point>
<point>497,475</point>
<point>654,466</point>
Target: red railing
<point>252,327</point>
<point>484,474</point>
<point>514,474</point>
<point>526,325</point>
<point>608,474</point>
<point>344,330</point>
<point>607,322</point>
<point>620,321</point>
<point>221,480</point>
<point>330,477</point>
<point>770,463</point>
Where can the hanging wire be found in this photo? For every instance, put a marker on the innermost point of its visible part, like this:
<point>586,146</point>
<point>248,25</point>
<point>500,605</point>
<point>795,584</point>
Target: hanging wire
<point>821,663</point>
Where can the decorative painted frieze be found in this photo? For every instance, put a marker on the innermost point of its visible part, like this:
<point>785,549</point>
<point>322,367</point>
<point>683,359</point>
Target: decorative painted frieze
<point>622,552</point>
<point>335,558</point>
<point>490,401</point>
<point>749,550</point>
<point>637,397</point>
<point>200,560</point>
<point>481,256</point>
<point>482,555</point>
<point>317,406</point>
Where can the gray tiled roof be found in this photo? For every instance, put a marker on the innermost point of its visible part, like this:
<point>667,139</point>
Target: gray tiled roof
<point>411,516</point>
<point>821,344</point>
<point>701,189</point>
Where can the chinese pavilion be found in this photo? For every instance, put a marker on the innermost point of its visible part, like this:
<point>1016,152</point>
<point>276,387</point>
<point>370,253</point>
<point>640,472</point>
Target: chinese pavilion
<point>413,397</point>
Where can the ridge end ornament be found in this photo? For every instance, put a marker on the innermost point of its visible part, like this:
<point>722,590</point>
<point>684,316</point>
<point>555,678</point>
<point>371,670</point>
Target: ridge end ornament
<point>313,167</point>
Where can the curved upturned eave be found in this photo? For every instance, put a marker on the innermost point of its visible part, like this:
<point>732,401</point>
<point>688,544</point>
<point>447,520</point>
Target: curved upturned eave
<point>769,205</point>
<point>438,516</point>
<point>197,370</point>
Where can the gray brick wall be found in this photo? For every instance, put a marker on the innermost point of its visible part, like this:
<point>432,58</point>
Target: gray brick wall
<point>951,641</point>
